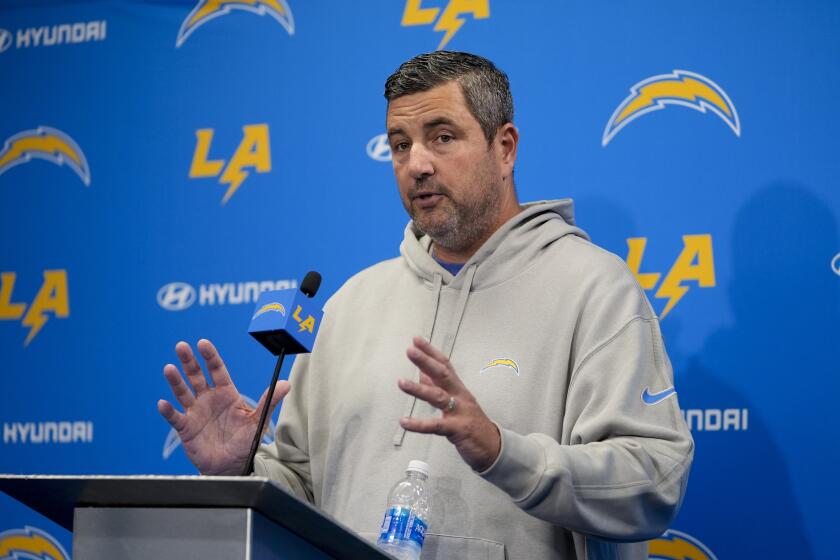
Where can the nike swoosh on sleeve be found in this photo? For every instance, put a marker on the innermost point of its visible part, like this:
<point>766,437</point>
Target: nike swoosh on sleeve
<point>651,399</point>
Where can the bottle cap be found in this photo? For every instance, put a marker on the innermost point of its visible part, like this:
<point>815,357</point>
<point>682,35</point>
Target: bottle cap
<point>418,466</point>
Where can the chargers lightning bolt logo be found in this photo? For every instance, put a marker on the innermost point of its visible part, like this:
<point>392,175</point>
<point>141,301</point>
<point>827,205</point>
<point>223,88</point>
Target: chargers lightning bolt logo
<point>207,10</point>
<point>44,143</point>
<point>30,542</point>
<point>504,362</point>
<point>678,88</point>
<point>675,545</point>
<point>274,306</point>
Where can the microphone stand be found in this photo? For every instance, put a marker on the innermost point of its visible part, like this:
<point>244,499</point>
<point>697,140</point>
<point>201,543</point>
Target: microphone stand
<point>249,465</point>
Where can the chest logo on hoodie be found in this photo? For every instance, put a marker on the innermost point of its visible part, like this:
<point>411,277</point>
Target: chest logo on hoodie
<point>501,362</point>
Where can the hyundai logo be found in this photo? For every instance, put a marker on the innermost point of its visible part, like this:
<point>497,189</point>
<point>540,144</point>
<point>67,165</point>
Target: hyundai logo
<point>5,40</point>
<point>835,264</point>
<point>378,148</point>
<point>176,296</point>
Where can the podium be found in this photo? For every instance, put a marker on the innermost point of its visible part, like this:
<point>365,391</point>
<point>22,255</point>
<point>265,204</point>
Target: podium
<point>185,517</point>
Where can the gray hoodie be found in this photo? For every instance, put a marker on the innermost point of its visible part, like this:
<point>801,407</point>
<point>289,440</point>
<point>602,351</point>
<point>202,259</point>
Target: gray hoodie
<point>560,347</point>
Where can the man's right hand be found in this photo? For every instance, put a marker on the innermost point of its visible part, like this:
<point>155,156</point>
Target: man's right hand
<point>217,426</point>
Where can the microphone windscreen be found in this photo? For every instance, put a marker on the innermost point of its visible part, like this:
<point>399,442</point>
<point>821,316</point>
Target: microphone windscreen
<point>311,283</point>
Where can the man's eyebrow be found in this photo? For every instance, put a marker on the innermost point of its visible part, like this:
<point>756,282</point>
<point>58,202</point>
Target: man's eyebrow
<point>438,122</point>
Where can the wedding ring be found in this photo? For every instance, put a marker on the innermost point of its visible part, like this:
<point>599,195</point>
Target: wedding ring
<point>450,406</point>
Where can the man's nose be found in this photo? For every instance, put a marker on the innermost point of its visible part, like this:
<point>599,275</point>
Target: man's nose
<point>420,162</point>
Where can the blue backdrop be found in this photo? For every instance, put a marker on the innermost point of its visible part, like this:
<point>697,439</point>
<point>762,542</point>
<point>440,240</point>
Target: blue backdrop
<point>163,162</point>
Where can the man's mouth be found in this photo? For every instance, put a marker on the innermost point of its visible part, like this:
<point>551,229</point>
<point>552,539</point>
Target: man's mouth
<point>426,200</point>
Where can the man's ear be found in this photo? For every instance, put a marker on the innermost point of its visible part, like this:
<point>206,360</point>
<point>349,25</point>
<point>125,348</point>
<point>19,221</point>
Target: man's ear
<point>507,142</point>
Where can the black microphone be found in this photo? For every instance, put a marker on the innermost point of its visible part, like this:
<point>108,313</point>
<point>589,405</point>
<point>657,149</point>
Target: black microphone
<point>311,283</point>
<point>277,313</point>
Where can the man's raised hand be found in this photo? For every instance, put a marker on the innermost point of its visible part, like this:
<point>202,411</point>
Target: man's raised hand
<point>217,426</point>
<point>462,421</point>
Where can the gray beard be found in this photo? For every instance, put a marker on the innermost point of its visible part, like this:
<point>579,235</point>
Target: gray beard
<point>464,225</point>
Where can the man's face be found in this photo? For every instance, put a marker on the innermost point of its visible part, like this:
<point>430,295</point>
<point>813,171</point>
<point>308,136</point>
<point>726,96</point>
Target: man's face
<point>450,180</point>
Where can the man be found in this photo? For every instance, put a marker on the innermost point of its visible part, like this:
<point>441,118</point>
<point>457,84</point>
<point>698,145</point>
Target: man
<point>534,354</point>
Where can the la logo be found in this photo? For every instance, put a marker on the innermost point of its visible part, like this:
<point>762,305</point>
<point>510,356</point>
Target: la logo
<point>450,20</point>
<point>253,153</point>
<point>307,324</point>
<point>695,262</point>
<point>51,297</point>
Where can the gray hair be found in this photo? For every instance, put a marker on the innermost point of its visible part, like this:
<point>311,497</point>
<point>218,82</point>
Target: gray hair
<point>486,88</point>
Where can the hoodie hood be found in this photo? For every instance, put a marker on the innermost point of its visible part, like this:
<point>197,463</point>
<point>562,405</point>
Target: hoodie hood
<point>505,253</point>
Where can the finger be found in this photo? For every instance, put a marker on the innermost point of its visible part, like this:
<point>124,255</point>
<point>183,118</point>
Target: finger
<point>439,372</point>
<point>280,390</point>
<point>433,395</point>
<point>191,368</point>
<point>182,392</point>
<point>433,425</point>
<point>218,372</point>
<point>175,418</point>
<point>427,347</point>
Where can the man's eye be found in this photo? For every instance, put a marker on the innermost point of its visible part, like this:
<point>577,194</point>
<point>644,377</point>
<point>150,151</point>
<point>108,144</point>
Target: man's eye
<point>445,138</point>
<point>400,147</point>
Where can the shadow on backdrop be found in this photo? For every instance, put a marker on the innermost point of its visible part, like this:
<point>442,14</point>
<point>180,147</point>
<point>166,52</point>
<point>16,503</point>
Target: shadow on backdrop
<point>785,303</point>
<point>607,222</point>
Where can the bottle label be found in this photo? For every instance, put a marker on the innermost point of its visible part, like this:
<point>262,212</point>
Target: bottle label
<point>402,524</point>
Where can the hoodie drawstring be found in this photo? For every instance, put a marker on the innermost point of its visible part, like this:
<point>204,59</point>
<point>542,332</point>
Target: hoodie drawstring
<point>458,312</point>
<point>449,337</point>
<point>411,401</point>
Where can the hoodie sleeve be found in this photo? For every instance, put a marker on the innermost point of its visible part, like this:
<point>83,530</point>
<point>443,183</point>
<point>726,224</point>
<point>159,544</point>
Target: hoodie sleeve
<point>624,471</point>
<point>286,461</point>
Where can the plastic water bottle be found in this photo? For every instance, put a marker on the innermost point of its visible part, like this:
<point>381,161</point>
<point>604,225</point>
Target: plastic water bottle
<point>407,517</point>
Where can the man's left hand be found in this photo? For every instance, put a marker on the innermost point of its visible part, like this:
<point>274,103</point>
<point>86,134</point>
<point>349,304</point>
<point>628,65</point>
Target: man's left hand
<point>462,421</point>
